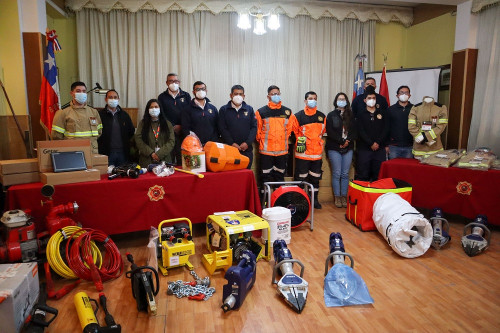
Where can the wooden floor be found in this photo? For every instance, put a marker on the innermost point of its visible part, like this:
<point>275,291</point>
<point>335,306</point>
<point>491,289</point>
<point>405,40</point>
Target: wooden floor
<point>440,291</point>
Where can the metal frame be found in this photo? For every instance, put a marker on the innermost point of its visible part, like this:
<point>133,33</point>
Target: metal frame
<point>268,192</point>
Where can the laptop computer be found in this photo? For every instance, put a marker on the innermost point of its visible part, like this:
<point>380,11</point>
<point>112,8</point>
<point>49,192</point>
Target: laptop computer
<point>68,161</point>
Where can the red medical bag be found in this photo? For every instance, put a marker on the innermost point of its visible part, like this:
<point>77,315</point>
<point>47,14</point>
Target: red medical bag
<point>362,195</point>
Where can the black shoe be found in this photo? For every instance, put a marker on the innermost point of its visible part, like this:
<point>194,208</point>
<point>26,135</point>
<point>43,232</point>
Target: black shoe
<point>317,205</point>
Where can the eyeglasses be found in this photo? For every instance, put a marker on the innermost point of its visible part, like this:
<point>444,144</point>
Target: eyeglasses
<point>200,89</point>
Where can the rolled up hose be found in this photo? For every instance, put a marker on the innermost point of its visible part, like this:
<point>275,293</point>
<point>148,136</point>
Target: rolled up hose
<point>56,262</point>
<point>81,259</point>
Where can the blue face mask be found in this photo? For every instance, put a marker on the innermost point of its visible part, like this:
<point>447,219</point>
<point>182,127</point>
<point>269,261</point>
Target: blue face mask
<point>311,103</point>
<point>341,104</point>
<point>276,99</point>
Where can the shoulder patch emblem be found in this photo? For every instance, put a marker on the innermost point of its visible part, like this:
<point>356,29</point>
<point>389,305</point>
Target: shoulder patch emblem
<point>288,112</point>
<point>377,106</point>
<point>245,113</point>
<point>210,110</point>
<point>379,116</point>
<point>320,118</point>
<point>181,99</point>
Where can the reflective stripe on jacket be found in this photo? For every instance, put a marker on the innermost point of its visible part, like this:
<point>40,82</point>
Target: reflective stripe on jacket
<point>312,127</point>
<point>273,130</point>
<point>436,115</point>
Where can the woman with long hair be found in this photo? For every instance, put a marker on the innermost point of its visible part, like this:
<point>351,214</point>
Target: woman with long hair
<point>341,131</point>
<point>154,136</point>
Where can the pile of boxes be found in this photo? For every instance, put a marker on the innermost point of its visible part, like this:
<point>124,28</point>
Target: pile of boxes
<point>13,172</point>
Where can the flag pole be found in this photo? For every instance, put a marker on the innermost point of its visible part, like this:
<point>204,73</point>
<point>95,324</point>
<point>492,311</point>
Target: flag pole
<point>25,139</point>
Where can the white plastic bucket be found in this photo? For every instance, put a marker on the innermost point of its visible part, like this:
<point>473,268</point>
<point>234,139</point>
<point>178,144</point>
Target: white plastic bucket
<point>280,224</point>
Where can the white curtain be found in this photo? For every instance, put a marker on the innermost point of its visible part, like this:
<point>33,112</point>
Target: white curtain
<point>485,123</point>
<point>133,53</point>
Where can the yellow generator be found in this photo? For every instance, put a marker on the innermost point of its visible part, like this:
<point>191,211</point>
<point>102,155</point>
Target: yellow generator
<point>176,244</point>
<point>231,233</point>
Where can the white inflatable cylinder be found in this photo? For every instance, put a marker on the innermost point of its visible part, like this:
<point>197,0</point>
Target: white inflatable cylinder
<point>280,224</point>
<point>403,227</point>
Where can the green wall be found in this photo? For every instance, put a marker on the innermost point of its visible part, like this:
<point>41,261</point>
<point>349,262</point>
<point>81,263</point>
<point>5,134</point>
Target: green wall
<point>428,44</point>
<point>11,59</point>
<point>67,58</point>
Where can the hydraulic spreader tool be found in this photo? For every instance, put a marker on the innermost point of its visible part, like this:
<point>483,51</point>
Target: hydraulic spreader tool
<point>342,285</point>
<point>143,289</point>
<point>440,228</point>
<point>87,314</point>
<point>337,253</point>
<point>240,279</point>
<point>291,287</point>
<point>477,236</point>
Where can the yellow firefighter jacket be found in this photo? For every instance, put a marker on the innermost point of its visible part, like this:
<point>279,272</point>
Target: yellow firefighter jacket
<point>431,120</point>
<point>77,123</point>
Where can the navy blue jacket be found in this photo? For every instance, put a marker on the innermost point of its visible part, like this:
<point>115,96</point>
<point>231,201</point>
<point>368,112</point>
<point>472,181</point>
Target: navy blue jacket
<point>358,104</point>
<point>398,125</point>
<point>203,122</point>
<point>237,126</point>
<point>171,107</point>
<point>372,127</point>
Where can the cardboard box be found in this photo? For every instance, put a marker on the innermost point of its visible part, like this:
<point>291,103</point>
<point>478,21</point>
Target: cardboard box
<point>194,161</point>
<point>8,167</point>
<point>103,169</point>
<point>45,148</point>
<point>98,159</point>
<point>59,178</point>
<point>20,178</point>
<point>20,288</point>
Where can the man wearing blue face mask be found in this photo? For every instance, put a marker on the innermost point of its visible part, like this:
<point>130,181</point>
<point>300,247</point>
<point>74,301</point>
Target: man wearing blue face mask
<point>273,130</point>
<point>309,125</point>
<point>78,120</point>
<point>116,132</point>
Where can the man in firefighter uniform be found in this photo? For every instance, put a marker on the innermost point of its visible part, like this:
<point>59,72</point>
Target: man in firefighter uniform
<point>78,120</point>
<point>426,122</point>
<point>273,130</point>
<point>309,125</point>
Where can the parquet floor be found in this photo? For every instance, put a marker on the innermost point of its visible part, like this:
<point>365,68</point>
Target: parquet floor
<point>440,291</point>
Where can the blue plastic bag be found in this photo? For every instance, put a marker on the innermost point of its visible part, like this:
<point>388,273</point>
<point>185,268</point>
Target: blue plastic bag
<point>343,287</point>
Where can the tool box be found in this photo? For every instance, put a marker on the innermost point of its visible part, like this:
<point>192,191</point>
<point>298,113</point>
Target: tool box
<point>231,233</point>
<point>362,195</point>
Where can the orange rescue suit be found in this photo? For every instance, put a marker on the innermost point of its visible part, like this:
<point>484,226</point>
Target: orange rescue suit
<point>273,129</point>
<point>311,124</point>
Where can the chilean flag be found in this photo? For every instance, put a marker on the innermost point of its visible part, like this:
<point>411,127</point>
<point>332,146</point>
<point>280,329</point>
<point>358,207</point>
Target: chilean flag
<point>49,92</point>
<point>359,84</point>
<point>384,89</point>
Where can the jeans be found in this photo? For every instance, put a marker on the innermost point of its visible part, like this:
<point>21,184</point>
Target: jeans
<point>340,171</point>
<point>400,152</point>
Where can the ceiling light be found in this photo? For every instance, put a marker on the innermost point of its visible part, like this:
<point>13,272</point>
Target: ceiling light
<point>244,22</point>
<point>259,25</point>
<point>273,22</point>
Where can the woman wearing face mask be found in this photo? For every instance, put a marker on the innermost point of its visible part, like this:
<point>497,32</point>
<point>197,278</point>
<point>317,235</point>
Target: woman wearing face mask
<point>341,131</point>
<point>373,130</point>
<point>154,136</point>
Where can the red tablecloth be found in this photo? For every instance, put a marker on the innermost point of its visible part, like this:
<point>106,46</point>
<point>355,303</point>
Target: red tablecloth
<point>457,191</point>
<point>125,205</point>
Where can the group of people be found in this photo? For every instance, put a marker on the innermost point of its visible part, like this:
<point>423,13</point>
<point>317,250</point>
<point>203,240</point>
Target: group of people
<point>376,130</point>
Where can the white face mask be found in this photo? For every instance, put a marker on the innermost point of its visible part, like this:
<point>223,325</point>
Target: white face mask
<point>371,102</point>
<point>173,87</point>
<point>154,112</point>
<point>113,103</point>
<point>237,100</point>
<point>201,94</point>
<point>81,98</point>
<point>428,99</point>
<point>403,98</point>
